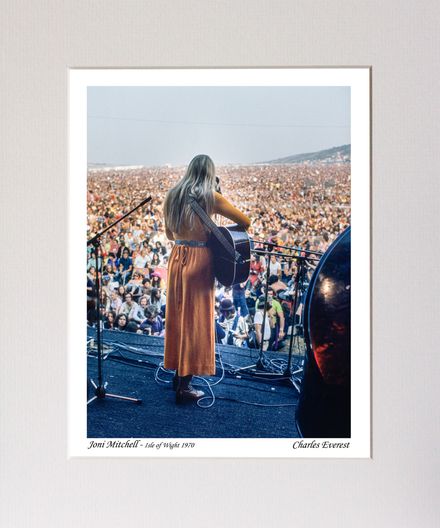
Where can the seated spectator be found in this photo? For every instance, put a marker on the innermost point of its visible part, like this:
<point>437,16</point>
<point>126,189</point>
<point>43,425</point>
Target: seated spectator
<point>105,299</point>
<point>141,260</point>
<point>159,249</point>
<point>155,261</point>
<point>125,260</point>
<point>130,308</point>
<point>156,281</point>
<point>153,324</point>
<point>121,322</point>
<point>115,302</point>
<point>146,284</point>
<point>157,299</point>
<point>125,265</point>
<point>135,286</point>
<point>110,321</point>
<point>138,314</point>
<point>143,303</point>
<point>132,326</point>
<point>121,276</point>
<point>234,325</point>
<point>219,331</point>
<point>110,272</point>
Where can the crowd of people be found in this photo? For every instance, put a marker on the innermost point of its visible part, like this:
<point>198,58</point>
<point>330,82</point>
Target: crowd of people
<point>298,205</point>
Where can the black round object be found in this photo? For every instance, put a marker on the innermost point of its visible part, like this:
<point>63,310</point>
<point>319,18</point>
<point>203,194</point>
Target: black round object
<point>324,407</point>
<point>226,270</point>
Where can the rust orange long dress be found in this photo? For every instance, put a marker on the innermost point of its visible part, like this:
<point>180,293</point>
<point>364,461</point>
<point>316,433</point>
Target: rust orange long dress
<point>189,321</point>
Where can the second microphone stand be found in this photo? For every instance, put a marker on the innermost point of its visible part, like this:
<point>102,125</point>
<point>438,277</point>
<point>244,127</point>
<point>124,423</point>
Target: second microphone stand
<point>100,392</point>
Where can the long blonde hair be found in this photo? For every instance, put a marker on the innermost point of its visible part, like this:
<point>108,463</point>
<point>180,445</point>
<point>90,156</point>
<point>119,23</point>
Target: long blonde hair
<point>198,183</point>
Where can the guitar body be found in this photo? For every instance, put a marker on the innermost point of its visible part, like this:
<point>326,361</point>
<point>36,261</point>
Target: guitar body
<point>227,271</point>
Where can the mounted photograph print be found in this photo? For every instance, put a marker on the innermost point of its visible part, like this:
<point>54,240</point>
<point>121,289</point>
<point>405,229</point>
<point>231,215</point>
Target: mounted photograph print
<point>219,263</point>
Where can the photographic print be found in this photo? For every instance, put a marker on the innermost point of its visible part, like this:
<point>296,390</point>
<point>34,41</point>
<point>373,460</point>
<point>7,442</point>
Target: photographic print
<point>220,219</point>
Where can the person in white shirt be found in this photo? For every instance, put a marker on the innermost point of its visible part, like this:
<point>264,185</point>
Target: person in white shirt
<point>115,302</point>
<point>258,322</point>
<point>274,266</point>
<point>138,233</point>
<point>141,259</point>
<point>129,308</point>
<point>129,240</point>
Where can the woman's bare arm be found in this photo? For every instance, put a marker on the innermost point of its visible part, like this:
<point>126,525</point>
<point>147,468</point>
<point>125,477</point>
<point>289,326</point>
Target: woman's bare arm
<point>223,207</point>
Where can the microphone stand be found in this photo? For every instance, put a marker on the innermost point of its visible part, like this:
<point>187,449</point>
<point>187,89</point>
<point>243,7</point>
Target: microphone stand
<point>259,368</point>
<point>288,372</point>
<point>291,248</point>
<point>259,365</point>
<point>100,392</point>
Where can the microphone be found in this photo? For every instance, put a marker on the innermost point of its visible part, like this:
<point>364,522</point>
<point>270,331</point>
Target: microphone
<point>145,201</point>
<point>217,185</point>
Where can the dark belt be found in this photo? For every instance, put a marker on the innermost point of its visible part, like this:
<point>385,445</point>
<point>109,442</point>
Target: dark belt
<point>191,243</point>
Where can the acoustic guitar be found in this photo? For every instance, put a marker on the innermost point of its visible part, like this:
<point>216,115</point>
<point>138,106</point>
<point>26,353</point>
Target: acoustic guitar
<point>231,249</point>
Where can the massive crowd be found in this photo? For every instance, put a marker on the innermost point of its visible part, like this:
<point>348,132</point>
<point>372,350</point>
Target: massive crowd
<point>304,206</point>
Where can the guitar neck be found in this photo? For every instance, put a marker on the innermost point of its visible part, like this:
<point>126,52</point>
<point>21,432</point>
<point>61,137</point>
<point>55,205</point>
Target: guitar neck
<point>214,229</point>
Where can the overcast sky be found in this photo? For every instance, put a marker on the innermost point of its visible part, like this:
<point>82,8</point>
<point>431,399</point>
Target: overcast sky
<point>160,125</point>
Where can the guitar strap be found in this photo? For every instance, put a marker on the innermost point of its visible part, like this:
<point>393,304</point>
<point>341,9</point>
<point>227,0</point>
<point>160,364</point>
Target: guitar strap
<point>229,248</point>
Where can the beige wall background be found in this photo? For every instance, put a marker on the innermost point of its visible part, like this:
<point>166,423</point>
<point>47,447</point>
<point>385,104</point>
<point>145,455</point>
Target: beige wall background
<point>39,42</point>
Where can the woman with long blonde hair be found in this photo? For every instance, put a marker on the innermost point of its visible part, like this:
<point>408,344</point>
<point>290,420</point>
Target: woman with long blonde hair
<point>189,322</point>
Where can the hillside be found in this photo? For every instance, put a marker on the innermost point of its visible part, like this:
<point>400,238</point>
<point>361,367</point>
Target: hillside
<point>332,155</point>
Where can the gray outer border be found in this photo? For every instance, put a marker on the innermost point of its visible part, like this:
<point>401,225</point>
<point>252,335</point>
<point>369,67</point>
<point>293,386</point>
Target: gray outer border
<point>39,486</point>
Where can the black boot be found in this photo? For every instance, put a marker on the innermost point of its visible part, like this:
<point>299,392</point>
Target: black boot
<point>185,392</point>
<point>175,381</point>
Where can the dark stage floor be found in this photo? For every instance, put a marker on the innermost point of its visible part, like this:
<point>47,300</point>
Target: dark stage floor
<point>244,407</point>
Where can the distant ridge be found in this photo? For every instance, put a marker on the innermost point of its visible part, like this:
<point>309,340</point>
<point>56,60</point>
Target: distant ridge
<point>340,154</point>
